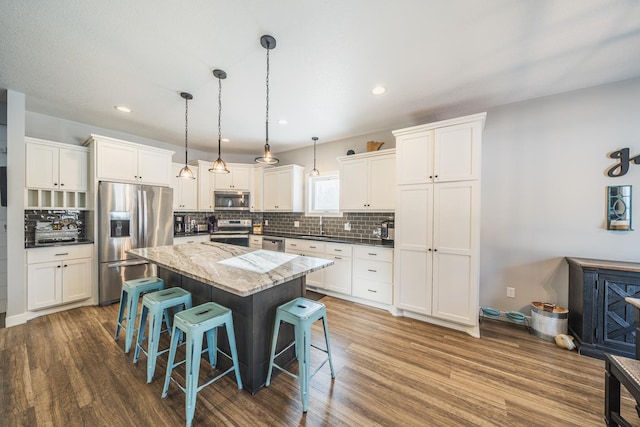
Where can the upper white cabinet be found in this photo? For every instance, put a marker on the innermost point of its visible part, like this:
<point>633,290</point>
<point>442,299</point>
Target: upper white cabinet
<point>257,189</point>
<point>448,152</point>
<point>437,222</point>
<point>284,189</point>
<point>185,191</point>
<point>55,166</point>
<point>206,185</point>
<point>56,175</point>
<point>123,161</point>
<point>238,178</point>
<point>367,181</point>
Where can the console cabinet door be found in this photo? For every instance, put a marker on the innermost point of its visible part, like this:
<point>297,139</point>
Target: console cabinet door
<point>44,284</point>
<point>76,279</point>
<point>154,167</point>
<point>42,166</point>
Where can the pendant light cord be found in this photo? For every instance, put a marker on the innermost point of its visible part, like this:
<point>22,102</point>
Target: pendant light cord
<point>219,114</point>
<point>267,114</point>
<point>186,127</point>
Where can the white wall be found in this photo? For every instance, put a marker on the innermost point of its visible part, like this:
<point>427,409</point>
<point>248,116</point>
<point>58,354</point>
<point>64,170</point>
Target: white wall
<point>544,190</point>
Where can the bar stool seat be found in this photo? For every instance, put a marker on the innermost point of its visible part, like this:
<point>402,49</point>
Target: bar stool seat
<point>620,370</point>
<point>132,290</point>
<point>301,313</point>
<point>196,322</point>
<point>156,305</point>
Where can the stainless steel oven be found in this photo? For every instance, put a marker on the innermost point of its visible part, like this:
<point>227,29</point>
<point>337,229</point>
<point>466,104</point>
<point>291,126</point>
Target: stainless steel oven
<point>232,231</point>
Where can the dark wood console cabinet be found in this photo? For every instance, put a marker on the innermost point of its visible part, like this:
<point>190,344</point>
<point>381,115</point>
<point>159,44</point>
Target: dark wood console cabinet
<point>599,317</point>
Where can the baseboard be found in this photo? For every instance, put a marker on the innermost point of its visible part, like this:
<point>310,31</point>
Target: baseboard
<point>19,319</point>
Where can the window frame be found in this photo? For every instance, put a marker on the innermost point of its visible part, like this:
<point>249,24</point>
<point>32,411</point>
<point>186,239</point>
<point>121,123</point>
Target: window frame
<point>331,175</point>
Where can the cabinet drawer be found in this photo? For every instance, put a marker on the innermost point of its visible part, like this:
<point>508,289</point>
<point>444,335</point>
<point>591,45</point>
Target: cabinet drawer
<point>255,240</point>
<point>373,270</point>
<point>58,253</point>
<point>373,253</point>
<point>305,246</point>
<point>338,249</point>
<point>374,291</point>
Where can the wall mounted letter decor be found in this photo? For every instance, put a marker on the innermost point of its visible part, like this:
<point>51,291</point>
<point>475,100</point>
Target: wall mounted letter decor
<point>622,167</point>
<point>619,208</point>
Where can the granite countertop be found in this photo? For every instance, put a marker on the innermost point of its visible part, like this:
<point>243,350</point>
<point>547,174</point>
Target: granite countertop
<point>235,269</point>
<point>598,263</point>
<point>192,233</point>
<point>330,239</point>
<point>31,245</point>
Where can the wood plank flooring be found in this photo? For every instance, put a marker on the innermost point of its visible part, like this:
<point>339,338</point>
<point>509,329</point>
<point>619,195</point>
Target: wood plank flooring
<point>65,369</point>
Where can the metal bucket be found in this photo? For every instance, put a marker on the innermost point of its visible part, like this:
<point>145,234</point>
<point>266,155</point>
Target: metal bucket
<point>548,320</point>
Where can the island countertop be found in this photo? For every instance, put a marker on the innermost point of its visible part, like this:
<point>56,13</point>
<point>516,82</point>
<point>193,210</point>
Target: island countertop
<point>235,269</point>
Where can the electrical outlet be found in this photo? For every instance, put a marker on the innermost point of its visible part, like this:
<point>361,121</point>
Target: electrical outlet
<point>296,224</point>
<point>266,222</point>
<point>347,226</point>
<point>511,292</point>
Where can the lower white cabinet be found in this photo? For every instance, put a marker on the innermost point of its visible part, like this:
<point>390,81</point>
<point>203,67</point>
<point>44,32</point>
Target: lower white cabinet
<point>191,239</point>
<point>58,275</point>
<point>308,248</point>
<point>373,273</point>
<point>337,277</point>
<point>255,242</point>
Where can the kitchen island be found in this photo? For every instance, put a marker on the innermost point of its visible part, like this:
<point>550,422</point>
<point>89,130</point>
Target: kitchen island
<point>252,283</point>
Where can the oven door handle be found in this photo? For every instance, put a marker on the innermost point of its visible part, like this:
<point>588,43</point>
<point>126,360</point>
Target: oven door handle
<point>228,236</point>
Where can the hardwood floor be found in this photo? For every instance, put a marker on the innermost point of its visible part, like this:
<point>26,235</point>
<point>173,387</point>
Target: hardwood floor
<point>65,369</point>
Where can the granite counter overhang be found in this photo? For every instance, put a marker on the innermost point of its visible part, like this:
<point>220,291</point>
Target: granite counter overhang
<point>235,269</point>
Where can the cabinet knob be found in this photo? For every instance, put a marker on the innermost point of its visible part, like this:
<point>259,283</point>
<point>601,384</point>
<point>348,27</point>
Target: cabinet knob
<point>436,176</point>
<point>429,249</point>
<point>58,266</point>
<point>435,250</point>
<point>65,265</point>
<point>55,183</point>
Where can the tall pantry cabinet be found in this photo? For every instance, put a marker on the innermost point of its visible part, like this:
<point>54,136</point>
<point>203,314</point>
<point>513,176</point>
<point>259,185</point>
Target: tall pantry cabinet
<point>437,222</point>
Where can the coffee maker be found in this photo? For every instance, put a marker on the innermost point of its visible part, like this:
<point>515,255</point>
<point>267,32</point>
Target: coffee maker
<point>179,224</point>
<point>387,231</point>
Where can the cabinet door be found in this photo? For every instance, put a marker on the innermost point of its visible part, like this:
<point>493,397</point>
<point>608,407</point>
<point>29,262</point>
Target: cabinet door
<point>616,324</point>
<point>455,251</point>
<point>116,162</point>
<point>257,190</point>
<point>154,167</point>
<point>44,285</point>
<point>413,248</point>
<point>337,277</point>
<point>76,279</point>
<point>241,178</point>
<point>353,185</point>
<point>73,169</point>
<point>414,158</point>
<point>382,183</point>
<point>177,188</point>
<point>270,191</point>
<point>285,190</point>
<point>42,166</point>
<point>206,185</point>
<point>457,152</point>
<point>224,181</point>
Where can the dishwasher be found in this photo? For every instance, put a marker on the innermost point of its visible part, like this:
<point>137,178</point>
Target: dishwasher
<point>275,244</point>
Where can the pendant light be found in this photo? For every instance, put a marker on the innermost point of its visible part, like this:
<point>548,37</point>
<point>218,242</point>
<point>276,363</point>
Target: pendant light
<point>219,166</point>
<point>268,43</point>
<point>314,172</point>
<point>185,172</point>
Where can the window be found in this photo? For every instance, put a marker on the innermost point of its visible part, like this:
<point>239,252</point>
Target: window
<point>324,195</point>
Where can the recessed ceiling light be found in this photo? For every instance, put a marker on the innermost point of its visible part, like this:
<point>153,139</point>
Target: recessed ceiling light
<point>378,90</point>
<point>282,122</point>
<point>122,108</point>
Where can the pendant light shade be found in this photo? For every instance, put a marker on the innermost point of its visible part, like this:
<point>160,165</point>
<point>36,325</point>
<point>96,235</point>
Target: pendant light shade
<point>219,166</point>
<point>185,172</point>
<point>268,43</point>
<point>314,172</point>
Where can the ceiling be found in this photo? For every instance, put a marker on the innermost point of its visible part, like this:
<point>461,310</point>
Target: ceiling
<point>77,59</point>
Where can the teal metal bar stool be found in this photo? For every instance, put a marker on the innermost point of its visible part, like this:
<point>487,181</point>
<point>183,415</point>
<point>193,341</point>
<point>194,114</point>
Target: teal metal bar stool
<point>131,292</point>
<point>156,306</point>
<point>196,322</point>
<point>301,313</point>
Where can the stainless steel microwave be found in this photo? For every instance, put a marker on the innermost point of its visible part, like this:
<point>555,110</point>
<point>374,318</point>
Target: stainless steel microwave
<point>231,200</point>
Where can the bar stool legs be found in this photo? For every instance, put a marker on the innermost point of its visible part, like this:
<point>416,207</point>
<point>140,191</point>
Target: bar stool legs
<point>131,292</point>
<point>301,313</point>
<point>195,323</point>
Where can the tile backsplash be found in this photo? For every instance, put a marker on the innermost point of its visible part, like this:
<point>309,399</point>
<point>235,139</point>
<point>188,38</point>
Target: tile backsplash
<point>363,224</point>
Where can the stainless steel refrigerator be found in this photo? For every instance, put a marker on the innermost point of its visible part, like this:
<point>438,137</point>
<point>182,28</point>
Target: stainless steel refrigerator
<point>130,216</point>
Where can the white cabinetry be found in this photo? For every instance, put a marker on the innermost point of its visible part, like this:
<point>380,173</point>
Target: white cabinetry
<point>58,275</point>
<point>255,241</point>
<point>373,273</point>
<point>367,181</point>
<point>123,161</point>
<point>436,257</point>
<point>56,175</point>
<point>238,178</point>
<point>337,277</point>
<point>284,189</point>
<point>185,190</point>
<point>206,185</point>
<point>308,248</point>
<point>257,189</point>
<point>191,239</point>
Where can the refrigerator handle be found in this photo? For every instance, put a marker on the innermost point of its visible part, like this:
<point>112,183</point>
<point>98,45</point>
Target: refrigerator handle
<point>145,216</point>
<point>140,236</point>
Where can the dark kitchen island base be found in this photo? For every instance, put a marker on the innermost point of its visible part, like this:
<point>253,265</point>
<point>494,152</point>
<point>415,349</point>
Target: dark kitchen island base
<point>253,318</point>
